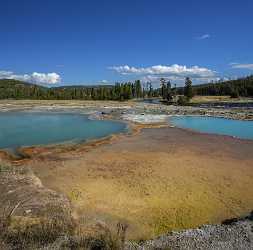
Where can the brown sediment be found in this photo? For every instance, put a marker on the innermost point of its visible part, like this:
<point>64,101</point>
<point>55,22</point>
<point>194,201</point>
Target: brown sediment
<point>4,155</point>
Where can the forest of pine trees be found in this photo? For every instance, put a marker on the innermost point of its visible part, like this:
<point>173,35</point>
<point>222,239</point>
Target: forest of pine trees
<point>234,88</point>
<point>13,89</point>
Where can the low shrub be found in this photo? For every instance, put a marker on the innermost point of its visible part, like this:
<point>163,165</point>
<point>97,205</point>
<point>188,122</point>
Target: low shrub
<point>234,94</point>
<point>183,100</point>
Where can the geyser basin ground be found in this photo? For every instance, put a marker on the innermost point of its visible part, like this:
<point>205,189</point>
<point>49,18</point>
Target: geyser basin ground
<point>158,180</point>
<point>212,125</point>
<point>19,129</point>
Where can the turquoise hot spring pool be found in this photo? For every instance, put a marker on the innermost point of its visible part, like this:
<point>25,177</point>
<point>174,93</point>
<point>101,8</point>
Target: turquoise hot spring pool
<point>212,125</point>
<point>19,129</point>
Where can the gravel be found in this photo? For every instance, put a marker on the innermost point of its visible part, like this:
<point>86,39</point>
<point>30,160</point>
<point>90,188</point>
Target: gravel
<point>233,234</point>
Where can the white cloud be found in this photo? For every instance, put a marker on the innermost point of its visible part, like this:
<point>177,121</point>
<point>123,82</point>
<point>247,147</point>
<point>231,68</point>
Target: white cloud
<point>173,70</point>
<point>175,73</point>
<point>242,66</point>
<point>35,77</point>
<point>5,74</point>
<point>104,81</point>
<point>203,37</point>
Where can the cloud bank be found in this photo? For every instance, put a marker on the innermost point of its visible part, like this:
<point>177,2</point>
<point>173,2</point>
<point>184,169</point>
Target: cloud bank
<point>175,69</point>
<point>241,66</point>
<point>173,72</point>
<point>35,77</point>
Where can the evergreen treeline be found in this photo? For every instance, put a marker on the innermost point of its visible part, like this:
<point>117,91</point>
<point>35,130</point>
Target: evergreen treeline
<point>233,88</point>
<point>13,89</point>
<point>120,91</point>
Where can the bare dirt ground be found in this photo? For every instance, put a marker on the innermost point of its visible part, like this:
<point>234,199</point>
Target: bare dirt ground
<point>159,180</point>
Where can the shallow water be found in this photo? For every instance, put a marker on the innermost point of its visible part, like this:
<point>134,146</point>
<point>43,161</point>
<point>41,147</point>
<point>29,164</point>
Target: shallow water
<point>151,100</point>
<point>237,128</point>
<point>27,128</point>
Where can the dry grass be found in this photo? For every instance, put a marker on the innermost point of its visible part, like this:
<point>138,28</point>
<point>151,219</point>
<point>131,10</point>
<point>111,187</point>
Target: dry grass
<point>205,99</point>
<point>52,232</point>
<point>46,227</point>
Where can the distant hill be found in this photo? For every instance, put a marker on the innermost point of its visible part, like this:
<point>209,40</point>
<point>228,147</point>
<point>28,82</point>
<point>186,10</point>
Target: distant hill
<point>238,87</point>
<point>241,87</point>
<point>14,89</point>
<point>12,83</point>
<point>83,86</point>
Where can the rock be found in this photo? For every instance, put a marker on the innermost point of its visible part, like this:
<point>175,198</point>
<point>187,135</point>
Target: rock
<point>231,234</point>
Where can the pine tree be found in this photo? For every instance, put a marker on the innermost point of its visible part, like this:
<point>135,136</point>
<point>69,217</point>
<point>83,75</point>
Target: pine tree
<point>138,88</point>
<point>188,91</point>
<point>163,88</point>
<point>169,91</point>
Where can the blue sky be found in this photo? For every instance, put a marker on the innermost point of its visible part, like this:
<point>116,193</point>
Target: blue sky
<point>87,42</point>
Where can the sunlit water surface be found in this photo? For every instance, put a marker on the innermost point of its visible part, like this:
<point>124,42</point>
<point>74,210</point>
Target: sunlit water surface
<point>236,128</point>
<point>27,128</point>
